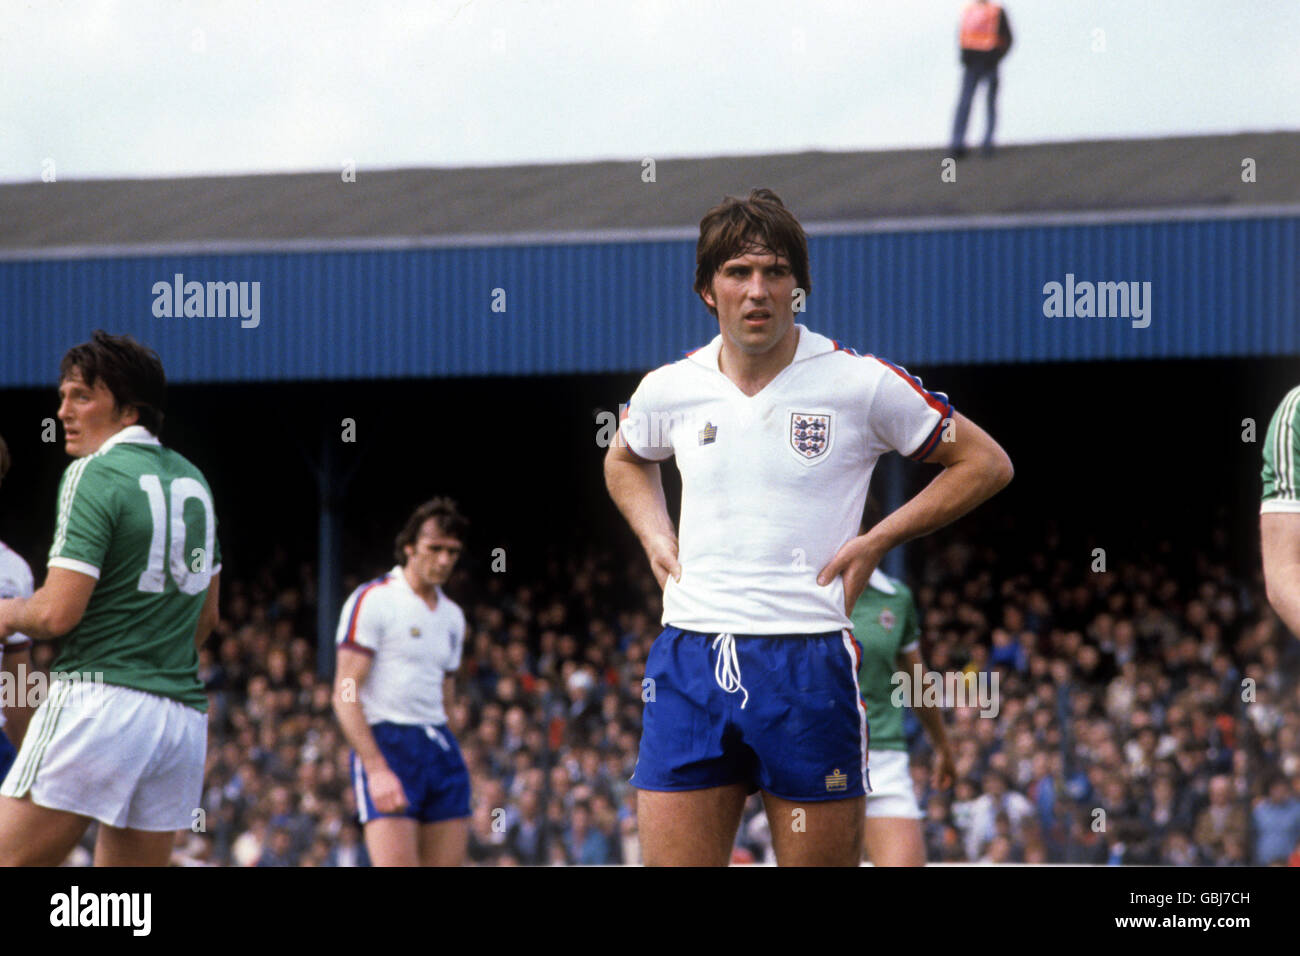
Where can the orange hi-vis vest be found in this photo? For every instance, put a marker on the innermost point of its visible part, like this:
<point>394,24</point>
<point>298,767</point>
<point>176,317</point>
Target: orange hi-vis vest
<point>979,26</point>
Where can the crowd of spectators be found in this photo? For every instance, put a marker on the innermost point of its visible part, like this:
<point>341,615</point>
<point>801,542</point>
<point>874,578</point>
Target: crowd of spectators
<point>1148,713</point>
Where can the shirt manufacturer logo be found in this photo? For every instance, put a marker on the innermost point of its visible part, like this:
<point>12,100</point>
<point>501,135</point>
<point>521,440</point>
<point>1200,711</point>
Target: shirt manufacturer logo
<point>708,434</point>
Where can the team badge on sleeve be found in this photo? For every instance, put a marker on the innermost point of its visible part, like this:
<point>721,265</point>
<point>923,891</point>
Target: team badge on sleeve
<point>810,435</point>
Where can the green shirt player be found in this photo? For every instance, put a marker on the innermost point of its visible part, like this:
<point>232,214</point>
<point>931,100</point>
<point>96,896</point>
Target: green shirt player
<point>1279,512</point>
<point>132,590</point>
<point>886,625</point>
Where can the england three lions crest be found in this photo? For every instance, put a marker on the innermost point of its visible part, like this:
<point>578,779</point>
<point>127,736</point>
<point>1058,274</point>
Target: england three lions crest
<point>810,435</point>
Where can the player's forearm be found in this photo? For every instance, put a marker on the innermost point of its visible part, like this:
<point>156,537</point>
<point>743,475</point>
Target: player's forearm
<point>16,720</point>
<point>210,613</point>
<point>356,731</point>
<point>18,711</point>
<point>638,491</point>
<point>39,617</point>
<point>960,488</point>
<point>931,719</point>
<point>1279,535</point>
<point>204,629</point>
<point>1282,585</point>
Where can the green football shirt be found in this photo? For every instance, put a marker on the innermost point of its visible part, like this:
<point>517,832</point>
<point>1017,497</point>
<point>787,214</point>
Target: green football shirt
<point>137,517</point>
<point>1282,457</point>
<point>885,623</point>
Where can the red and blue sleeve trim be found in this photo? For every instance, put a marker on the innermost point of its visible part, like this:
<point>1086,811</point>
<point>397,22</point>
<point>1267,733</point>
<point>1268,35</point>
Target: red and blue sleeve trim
<point>936,400</point>
<point>931,440</point>
<point>350,638</point>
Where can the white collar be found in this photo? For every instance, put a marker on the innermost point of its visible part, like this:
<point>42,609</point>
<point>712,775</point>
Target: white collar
<point>810,344</point>
<point>135,434</point>
<point>398,575</point>
<point>880,581</point>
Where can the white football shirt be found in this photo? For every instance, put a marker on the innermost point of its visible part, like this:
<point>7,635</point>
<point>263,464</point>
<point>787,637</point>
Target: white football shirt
<point>774,484</point>
<point>413,648</point>
<point>15,581</point>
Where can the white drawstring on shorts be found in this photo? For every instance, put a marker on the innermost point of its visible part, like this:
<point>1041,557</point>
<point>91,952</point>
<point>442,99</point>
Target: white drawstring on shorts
<point>727,670</point>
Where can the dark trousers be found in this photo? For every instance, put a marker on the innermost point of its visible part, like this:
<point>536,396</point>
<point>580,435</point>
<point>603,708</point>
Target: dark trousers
<point>973,74</point>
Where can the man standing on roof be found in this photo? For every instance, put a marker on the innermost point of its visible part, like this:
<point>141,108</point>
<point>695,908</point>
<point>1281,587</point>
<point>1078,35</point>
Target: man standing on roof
<point>985,40</point>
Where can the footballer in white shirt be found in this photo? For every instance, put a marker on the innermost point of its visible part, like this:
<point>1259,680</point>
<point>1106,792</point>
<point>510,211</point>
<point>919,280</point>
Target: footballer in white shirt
<point>776,430</point>
<point>399,640</point>
<point>15,650</point>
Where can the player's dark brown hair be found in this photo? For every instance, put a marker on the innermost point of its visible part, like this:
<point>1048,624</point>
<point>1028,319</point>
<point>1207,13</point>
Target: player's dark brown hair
<point>6,462</point>
<point>131,371</point>
<point>450,521</point>
<point>737,226</point>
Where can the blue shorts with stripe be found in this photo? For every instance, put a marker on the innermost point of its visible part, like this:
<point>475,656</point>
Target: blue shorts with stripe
<point>427,761</point>
<point>777,713</point>
<point>7,754</point>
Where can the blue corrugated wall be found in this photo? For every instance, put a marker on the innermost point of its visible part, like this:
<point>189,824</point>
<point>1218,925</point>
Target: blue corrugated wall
<point>1219,287</point>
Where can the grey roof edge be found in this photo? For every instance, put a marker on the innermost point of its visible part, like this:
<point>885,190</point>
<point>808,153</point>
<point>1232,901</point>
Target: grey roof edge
<point>920,149</point>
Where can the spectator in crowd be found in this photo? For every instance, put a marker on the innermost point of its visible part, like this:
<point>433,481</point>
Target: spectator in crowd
<point>279,852</point>
<point>1221,823</point>
<point>1277,823</point>
<point>996,802</point>
<point>584,843</point>
<point>528,838</point>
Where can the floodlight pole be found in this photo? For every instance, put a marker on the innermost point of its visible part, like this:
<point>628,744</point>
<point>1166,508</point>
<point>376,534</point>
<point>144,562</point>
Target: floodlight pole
<point>331,484</point>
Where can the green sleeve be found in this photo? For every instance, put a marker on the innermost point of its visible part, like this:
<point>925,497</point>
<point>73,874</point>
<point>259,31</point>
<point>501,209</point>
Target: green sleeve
<point>1282,457</point>
<point>86,513</point>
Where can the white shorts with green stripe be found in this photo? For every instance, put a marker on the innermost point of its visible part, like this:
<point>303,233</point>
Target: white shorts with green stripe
<point>891,785</point>
<point>118,755</point>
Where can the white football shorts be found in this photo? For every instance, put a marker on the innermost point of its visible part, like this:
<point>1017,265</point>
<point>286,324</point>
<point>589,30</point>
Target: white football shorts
<point>891,785</point>
<point>119,755</point>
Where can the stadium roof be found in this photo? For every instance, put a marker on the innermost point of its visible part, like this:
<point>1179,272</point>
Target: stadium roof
<point>534,202</point>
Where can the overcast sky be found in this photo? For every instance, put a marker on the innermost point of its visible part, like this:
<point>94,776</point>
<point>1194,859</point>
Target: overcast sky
<point>178,87</point>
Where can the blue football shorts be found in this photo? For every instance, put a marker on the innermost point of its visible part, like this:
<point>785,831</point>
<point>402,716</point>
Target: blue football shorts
<point>777,713</point>
<point>427,761</point>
